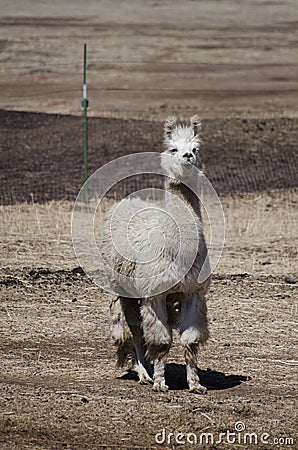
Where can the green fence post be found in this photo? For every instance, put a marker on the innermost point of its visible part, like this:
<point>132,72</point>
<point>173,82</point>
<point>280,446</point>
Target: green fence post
<point>85,105</point>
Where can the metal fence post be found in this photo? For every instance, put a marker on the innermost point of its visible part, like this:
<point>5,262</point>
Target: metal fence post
<point>85,105</point>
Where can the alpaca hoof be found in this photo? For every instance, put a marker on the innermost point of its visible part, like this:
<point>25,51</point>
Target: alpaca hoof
<point>198,389</point>
<point>160,387</point>
<point>145,379</point>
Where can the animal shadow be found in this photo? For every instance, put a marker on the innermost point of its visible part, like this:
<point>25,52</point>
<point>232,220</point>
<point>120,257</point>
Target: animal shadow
<point>211,379</point>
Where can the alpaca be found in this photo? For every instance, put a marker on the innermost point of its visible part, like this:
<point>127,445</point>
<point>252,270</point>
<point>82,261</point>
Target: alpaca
<point>159,265</point>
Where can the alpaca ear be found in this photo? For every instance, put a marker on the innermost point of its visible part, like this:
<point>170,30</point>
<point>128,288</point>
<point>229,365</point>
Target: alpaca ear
<point>169,125</point>
<point>195,123</point>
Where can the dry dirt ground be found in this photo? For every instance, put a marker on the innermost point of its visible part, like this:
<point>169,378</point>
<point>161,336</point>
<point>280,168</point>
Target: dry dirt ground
<point>59,385</point>
<point>148,58</point>
<point>235,63</point>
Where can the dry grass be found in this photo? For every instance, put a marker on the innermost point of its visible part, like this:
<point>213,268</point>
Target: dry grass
<point>253,215</point>
<point>37,235</point>
<point>261,234</point>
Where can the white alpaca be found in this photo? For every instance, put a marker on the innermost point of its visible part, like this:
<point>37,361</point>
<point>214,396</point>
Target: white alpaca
<point>160,265</point>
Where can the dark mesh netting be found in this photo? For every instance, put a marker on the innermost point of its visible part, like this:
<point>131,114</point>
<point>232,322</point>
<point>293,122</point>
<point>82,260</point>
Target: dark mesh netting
<point>42,154</point>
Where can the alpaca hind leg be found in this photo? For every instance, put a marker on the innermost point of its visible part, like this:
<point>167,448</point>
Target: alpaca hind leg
<point>158,337</point>
<point>190,353</point>
<point>121,334</point>
<point>132,314</point>
<point>193,332</point>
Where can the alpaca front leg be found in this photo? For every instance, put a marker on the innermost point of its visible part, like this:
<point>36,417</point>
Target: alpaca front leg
<point>193,331</point>
<point>158,337</point>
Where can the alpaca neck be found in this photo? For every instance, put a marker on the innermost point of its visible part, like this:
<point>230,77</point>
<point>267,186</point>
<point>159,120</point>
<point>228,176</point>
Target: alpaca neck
<point>178,191</point>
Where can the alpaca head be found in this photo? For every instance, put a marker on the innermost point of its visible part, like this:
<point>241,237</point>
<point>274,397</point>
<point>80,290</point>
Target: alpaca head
<point>182,148</point>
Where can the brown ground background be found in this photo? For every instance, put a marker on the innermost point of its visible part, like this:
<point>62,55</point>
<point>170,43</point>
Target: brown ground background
<point>148,58</point>
<point>236,64</point>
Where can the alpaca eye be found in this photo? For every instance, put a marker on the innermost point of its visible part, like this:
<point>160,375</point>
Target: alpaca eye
<point>194,150</point>
<point>173,150</point>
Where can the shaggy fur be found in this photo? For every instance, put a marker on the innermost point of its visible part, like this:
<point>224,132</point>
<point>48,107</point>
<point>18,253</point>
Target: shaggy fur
<point>156,250</point>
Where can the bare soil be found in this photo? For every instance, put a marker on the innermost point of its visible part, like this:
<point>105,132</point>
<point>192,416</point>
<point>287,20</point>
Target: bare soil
<point>42,154</point>
<point>149,58</point>
<point>59,385</point>
<point>58,380</point>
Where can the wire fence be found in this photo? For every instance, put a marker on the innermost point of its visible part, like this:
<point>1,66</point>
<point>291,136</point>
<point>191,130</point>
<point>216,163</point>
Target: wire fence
<point>42,155</point>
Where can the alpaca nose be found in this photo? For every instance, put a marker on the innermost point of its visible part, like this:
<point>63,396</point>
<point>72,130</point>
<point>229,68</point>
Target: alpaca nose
<point>187,155</point>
